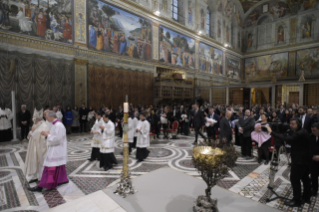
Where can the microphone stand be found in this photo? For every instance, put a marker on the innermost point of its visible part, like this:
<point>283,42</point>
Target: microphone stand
<point>273,169</point>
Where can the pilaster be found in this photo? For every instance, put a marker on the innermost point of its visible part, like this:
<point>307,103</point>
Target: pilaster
<point>80,81</point>
<point>80,23</point>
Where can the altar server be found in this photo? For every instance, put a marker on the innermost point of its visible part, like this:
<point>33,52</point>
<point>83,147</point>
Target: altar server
<point>135,123</point>
<point>54,172</point>
<point>97,138</point>
<point>143,138</point>
<point>107,158</point>
<point>37,148</point>
<point>5,123</point>
<point>131,132</point>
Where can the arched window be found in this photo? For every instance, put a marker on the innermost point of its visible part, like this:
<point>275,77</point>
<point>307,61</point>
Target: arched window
<point>175,10</point>
<point>208,22</point>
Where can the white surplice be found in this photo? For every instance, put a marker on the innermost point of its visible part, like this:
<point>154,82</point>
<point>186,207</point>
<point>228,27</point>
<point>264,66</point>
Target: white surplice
<point>97,138</point>
<point>5,122</point>
<point>37,148</point>
<point>57,146</point>
<point>108,138</point>
<point>131,129</point>
<point>135,124</point>
<point>143,138</point>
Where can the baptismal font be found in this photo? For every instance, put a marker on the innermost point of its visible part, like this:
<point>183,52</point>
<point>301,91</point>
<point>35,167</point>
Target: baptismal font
<point>213,164</point>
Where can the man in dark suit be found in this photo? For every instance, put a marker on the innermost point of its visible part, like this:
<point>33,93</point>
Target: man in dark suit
<point>261,112</point>
<point>314,146</point>
<point>305,119</point>
<point>217,110</point>
<point>315,116</point>
<point>246,125</point>
<point>298,138</point>
<point>24,117</point>
<point>225,125</point>
<point>83,118</point>
<point>212,128</point>
<point>199,122</point>
<point>179,114</point>
<point>281,112</point>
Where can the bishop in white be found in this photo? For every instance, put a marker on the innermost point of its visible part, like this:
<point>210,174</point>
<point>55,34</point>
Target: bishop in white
<point>37,148</point>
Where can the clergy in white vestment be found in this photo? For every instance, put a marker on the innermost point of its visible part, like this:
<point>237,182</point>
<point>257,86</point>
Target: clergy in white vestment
<point>143,138</point>
<point>54,172</point>
<point>107,158</point>
<point>135,123</point>
<point>5,123</point>
<point>131,125</point>
<point>97,138</point>
<point>36,113</point>
<point>37,148</point>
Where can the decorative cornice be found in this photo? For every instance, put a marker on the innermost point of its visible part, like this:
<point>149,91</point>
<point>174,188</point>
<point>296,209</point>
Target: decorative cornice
<point>298,46</point>
<point>155,24</point>
<point>80,44</point>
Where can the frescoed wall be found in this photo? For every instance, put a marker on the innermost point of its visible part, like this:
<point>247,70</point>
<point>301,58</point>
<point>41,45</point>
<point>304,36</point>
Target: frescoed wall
<point>233,67</point>
<point>308,61</point>
<point>47,19</point>
<point>267,66</point>
<point>210,59</point>
<point>111,29</point>
<point>176,49</point>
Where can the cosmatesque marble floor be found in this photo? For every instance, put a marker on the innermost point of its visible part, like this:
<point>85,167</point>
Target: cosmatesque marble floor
<point>86,179</point>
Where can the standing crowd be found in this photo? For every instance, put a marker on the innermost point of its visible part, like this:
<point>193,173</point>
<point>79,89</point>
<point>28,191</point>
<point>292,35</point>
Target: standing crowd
<point>295,127</point>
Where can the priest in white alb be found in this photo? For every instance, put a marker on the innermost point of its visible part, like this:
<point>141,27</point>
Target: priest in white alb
<point>54,172</point>
<point>37,148</point>
<point>5,123</point>
<point>143,138</point>
<point>107,158</point>
<point>97,138</point>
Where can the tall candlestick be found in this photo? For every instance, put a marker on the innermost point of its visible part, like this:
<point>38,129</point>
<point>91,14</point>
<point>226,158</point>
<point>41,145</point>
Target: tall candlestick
<point>125,107</point>
<point>125,185</point>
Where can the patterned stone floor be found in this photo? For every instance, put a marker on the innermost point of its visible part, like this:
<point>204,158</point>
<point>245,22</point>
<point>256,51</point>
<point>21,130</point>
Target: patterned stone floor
<point>247,178</point>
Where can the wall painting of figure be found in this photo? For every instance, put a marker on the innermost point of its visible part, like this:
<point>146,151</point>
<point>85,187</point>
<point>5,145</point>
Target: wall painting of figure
<point>210,59</point>
<point>114,30</point>
<point>176,49</point>
<point>46,19</point>
<point>308,61</point>
<point>267,66</point>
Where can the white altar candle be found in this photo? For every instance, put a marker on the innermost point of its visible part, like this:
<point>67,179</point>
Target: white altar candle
<point>125,107</point>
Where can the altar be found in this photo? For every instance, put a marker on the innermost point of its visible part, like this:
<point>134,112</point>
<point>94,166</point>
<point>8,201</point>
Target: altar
<point>169,190</point>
